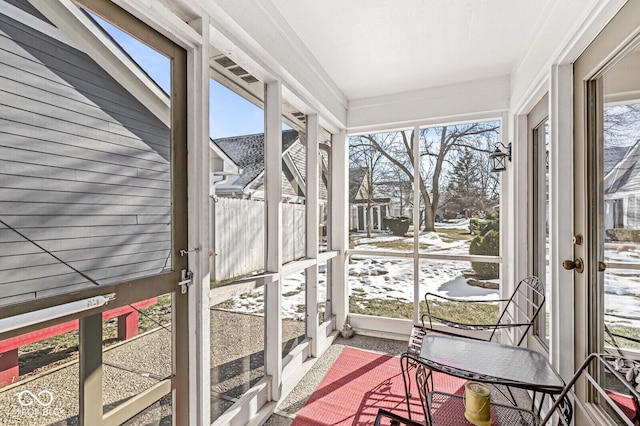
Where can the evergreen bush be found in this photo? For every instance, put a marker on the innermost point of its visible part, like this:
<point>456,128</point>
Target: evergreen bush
<point>486,242</point>
<point>398,225</point>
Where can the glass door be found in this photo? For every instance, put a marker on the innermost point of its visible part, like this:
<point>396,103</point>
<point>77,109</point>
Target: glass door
<point>607,196</point>
<point>539,142</point>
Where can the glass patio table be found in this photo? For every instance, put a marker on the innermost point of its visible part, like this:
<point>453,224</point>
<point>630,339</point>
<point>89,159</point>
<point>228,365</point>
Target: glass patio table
<point>490,362</point>
<point>487,362</point>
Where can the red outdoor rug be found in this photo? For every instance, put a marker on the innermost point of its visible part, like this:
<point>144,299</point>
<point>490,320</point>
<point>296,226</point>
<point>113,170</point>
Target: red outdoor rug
<point>361,382</point>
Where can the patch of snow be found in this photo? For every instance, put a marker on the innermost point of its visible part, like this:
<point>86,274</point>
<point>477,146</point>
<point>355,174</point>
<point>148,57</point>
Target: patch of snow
<point>454,224</point>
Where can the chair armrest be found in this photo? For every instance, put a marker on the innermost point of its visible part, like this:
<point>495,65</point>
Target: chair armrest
<point>454,299</point>
<point>458,325</point>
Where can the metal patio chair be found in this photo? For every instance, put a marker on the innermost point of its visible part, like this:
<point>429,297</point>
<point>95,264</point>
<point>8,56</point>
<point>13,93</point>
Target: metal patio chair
<point>617,391</point>
<point>519,313</point>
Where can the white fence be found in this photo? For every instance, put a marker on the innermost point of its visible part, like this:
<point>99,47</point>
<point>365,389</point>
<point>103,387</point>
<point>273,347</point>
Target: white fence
<point>239,236</point>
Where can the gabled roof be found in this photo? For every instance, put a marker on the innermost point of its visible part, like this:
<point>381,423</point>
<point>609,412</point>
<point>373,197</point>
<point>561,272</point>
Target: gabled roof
<point>625,176</point>
<point>248,153</point>
<point>612,156</point>
<point>356,180</point>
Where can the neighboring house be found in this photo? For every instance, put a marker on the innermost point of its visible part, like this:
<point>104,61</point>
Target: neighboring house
<point>248,153</point>
<point>359,200</point>
<point>622,187</point>
<point>84,159</point>
<point>85,168</point>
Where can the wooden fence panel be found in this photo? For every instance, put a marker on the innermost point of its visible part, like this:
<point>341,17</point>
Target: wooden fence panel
<point>239,234</point>
<point>239,237</point>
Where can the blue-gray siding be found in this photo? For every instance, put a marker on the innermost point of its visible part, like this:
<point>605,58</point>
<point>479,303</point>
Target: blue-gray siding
<point>84,172</point>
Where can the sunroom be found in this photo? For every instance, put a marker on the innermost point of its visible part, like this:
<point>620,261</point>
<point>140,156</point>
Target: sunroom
<point>198,198</point>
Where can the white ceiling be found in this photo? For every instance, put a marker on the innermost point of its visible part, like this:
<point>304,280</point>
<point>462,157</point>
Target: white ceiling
<point>377,47</point>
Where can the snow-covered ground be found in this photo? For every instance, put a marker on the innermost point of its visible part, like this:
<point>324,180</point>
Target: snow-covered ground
<point>382,277</point>
<point>622,288</point>
<point>386,277</point>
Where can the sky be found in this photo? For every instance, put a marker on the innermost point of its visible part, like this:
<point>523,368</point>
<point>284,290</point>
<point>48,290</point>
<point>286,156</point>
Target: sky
<point>229,114</point>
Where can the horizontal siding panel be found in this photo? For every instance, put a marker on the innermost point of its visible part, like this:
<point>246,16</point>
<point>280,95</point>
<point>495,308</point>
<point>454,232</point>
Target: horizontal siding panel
<point>77,151</point>
<point>26,261</point>
<point>21,169</point>
<point>55,60</point>
<point>18,275</point>
<point>23,182</point>
<point>86,95</point>
<point>115,279</point>
<point>90,247</point>
<point>92,266</point>
<point>41,277</point>
<point>143,250</point>
<point>84,260</point>
<point>62,220</point>
<point>124,180</point>
<point>55,209</point>
<point>149,219</point>
<point>12,288</point>
<point>137,274</point>
<point>70,232</point>
<point>31,125</point>
<point>66,112</point>
<point>84,172</point>
<point>70,99</point>
<point>63,290</point>
<point>20,298</point>
<point>40,159</point>
<point>9,194</point>
<point>17,248</point>
<point>108,274</point>
<point>60,247</point>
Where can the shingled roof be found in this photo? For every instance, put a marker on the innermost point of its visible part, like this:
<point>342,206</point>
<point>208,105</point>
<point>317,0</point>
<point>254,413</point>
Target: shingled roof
<point>248,153</point>
<point>625,176</point>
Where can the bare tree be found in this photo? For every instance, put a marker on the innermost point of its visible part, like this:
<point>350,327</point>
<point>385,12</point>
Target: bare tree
<point>436,146</point>
<point>622,124</point>
<point>367,158</point>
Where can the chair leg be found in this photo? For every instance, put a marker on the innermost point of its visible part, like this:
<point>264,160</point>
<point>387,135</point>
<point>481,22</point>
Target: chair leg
<point>405,365</point>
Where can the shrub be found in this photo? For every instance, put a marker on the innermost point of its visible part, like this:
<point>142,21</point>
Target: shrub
<point>398,225</point>
<point>482,226</point>
<point>489,245</point>
<point>623,234</point>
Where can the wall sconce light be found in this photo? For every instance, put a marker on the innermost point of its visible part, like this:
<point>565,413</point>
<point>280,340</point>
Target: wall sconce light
<point>499,158</point>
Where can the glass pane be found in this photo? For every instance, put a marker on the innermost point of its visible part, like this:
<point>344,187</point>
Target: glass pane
<point>325,194</point>
<point>237,185</point>
<point>237,343</point>
<point>294,176</point>
<point>460,196</point>
<point>381,286</point>
<point>621,205</point>
<point>380,194</point>
<point>39,377</point>
<point>85,197</point>
<point>323,280</point>
<point>294,311</point>
<point>238,214</point>
<point>136,349</point>
<point>452,279</point>
<point>540,219</point>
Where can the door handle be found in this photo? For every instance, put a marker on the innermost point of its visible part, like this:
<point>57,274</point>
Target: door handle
<point>602,266</point>
<point>577,264</point>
